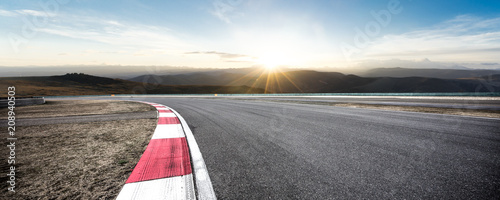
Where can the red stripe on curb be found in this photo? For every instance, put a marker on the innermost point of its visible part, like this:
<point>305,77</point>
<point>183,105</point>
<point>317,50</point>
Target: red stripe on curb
<point>159,106</point>
<point>168,120</point>
<point>165,111</point>
<point>163,158</point>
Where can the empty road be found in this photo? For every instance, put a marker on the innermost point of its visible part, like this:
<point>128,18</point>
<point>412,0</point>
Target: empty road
<point>275,150</point>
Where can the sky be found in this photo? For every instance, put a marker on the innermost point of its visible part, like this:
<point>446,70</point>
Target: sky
<point>244,33</point>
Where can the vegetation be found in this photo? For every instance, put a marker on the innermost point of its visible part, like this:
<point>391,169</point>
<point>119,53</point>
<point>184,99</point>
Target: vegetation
<point>254,82</point>
<point>83,84</point>
<point>308,81</point>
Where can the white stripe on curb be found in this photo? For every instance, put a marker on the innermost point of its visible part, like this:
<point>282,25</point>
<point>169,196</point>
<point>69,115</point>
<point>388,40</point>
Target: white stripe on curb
<point>168,131</point>
<point>167,115</point>
<point>204,186</point>
<point>172,188</point>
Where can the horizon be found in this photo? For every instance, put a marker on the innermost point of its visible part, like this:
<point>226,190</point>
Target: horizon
<point>222,34</point>
<point>128,72</point>
<point>133,72</point>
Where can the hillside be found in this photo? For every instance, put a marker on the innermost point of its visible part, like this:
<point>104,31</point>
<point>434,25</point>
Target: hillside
<point>257,81</point>
<point>82,84</point>
<point>429,73</point>
<point>308,81</point>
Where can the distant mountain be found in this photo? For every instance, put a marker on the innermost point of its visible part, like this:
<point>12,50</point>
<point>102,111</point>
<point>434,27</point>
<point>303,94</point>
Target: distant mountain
<point>257,81</point>
<point>494,77</point>
<point>308,81</point>
<point>113,71</point>
<point>83,84</point>
<point>429,73</point>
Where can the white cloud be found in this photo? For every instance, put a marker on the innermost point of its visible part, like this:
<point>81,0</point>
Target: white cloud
<point>417,64</point>
<point>224,10</point>
<point>121,34</point>
<point>7,13</point>
<point>423,64</point>
<point>226,57</point>
<point>464,38</point>
<point>221,16</point>
<point>26,12</point>
<point>35,13</point>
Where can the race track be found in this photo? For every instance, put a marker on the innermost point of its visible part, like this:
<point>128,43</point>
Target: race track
<point>258,150</point>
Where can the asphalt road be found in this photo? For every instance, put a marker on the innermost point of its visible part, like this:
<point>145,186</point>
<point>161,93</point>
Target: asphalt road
<point>272,150</point>
<point>276,150</point>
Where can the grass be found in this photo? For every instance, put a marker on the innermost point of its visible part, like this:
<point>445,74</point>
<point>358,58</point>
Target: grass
<point>82,84</point>
<point>57,108</point>
<point>122,162</point>
<point>448,111</point>
<point>77,161</point>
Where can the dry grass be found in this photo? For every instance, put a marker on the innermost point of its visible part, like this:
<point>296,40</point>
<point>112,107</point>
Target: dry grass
<point>448,111</point>
<point>77,161</point>
<point>26,88</point>
<point>74,85</point>
<point>57,108</point>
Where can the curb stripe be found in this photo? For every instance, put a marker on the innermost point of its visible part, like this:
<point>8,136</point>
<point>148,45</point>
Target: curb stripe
<point>168,131</point>
<point>164,171</point>
<point>173,188</point>
<point>163,114</point>
<point>204,186</point>
<point>168,120</point>
<point>163,158</point>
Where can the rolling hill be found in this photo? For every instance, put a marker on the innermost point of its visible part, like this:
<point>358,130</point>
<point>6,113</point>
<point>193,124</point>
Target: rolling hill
<point>308,81</point>
<point>83,84</point>
<point>255,81</point>
<point>430,73</point>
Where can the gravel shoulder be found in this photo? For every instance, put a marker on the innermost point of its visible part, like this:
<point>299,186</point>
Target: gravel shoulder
<point>77,160</point>
<point>448,111</point>
<point>59,108</point>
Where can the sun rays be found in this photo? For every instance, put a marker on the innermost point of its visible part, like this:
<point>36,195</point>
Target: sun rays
<point>271,79</point>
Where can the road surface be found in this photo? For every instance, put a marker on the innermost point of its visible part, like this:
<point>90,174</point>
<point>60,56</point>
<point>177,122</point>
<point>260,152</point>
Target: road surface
<point>274,150</point>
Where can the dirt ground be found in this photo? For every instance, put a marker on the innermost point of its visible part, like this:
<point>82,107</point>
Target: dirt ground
<point>57,108</point>
<point>77,161</point>
<point>448,111</point>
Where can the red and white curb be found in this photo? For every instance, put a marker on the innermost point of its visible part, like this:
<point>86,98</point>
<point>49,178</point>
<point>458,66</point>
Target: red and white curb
<point>165,169</point>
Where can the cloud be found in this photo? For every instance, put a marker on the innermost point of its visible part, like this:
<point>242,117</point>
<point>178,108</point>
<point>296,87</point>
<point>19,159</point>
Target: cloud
<point>417,64</point>
<point>219,14</point>
<point>26,12</point>
<point>115,32</point>
<point>225,9</point>
<point>463,38</point>
<point>7,13</point>
<point>36,13</point>
<point>422,64</point>
<point>227,57</point>
<point>221,54</point>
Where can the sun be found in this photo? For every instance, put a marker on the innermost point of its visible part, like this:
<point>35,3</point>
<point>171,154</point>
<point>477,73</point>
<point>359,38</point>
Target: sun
<point>273,60</point>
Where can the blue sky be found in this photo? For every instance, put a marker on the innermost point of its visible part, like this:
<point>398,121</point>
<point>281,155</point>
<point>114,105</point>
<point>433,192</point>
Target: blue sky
<point>244,33</point>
